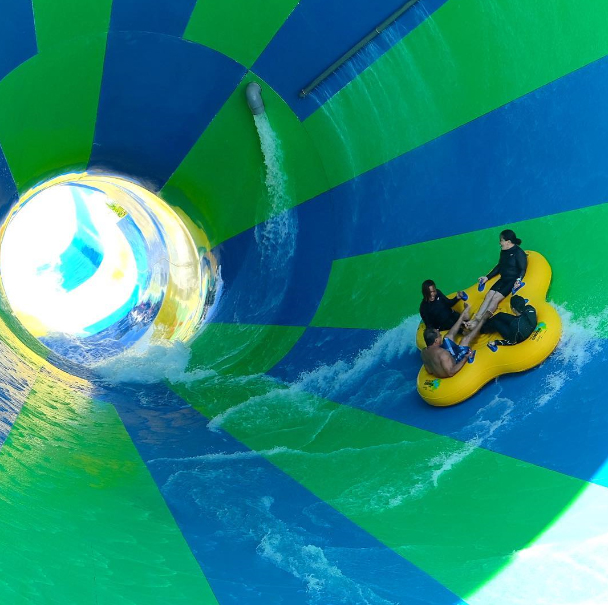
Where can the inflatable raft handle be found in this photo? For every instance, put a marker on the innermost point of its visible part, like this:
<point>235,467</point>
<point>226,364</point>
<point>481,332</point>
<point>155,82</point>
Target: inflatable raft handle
<point>516,288</point>
<point>481,286</point>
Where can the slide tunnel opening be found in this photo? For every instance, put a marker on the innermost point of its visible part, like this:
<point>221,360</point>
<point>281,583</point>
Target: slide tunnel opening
<point>261,439</point>
<point>93,265</point>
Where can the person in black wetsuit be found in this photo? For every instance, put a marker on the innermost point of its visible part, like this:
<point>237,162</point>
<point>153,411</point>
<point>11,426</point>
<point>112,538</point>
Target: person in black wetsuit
<point>511,267</point>
<point>436,308</point>
<point>513,328</point>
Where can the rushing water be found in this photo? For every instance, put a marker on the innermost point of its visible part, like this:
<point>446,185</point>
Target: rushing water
<point>276,236</point>
<point>228,498</point>
<point>149,362</point>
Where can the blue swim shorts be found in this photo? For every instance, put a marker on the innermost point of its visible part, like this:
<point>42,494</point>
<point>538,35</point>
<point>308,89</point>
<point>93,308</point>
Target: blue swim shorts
<point>455,350</point>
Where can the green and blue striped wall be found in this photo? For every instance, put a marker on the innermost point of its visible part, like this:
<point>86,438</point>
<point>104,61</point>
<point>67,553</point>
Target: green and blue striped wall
<point>258,485</point>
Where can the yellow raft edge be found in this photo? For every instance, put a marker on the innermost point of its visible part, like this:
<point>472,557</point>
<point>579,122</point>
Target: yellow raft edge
<point>443,392</point>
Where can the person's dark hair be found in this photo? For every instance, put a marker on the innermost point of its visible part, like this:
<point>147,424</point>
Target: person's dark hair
<point>426,288</point>
<point>518,303</point>
<point>509,236</point>
<point>430,334</point>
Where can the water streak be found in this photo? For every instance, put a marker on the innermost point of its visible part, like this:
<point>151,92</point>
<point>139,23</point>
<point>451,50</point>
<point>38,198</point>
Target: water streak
<point>276,237</point>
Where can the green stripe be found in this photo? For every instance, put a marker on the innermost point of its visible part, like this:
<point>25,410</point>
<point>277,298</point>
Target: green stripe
<point>377,291</point>
<point>81,520</point>
<point>221,183</point>
<point>250,26</point>
<point>49,110</point>
<point>26,346</point>
<point>468,59</point>
<point>461,525</point>
<point>58,22</point>
<point>241,349</point>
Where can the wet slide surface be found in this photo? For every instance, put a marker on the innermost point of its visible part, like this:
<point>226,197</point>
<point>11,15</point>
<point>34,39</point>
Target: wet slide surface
<point>283,456</point>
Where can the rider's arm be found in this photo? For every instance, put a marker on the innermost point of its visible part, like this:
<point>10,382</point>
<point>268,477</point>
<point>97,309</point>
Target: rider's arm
<point>494,272</point>
<point>448,365</point>
<point>449,301</point>
<point>521,261</point>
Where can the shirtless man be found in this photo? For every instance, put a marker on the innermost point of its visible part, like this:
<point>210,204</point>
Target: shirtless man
<point>443,357</point>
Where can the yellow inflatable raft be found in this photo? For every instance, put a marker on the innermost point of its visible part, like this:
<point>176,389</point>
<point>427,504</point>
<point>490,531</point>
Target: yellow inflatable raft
<point>488,365</point>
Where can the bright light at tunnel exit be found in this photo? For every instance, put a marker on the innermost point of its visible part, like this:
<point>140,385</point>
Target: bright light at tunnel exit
<point>65,264</point>
<point>95,264</point>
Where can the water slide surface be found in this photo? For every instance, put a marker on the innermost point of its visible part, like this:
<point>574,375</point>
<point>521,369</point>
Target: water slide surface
<point>283,455</point>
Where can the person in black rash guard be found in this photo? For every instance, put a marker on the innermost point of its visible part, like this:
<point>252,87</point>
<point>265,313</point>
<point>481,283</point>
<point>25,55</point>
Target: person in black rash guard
<point>511,267</point>
<point>513,328</point>
<point>436,308</point>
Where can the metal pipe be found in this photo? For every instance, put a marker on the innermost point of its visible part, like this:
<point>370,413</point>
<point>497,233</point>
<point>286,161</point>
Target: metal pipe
<point>253,92</point>
<point>355,49</point>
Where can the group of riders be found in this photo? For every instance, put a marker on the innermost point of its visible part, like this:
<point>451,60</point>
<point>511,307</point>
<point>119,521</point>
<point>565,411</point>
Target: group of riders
<point>443,357</point>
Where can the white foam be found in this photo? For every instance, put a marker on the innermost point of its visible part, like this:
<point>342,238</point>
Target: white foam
<point>215,424</point>
<point>286,544</point>
<point>330,380</point>
<point>448,461</point>
<point>581,337</point>
<point>580,343</point>
<point>221,457</point>
<point>276,237</point>
<point>151,363</point>
<point>289,550</point>
<point>490,419</point>
<point>552,385</point>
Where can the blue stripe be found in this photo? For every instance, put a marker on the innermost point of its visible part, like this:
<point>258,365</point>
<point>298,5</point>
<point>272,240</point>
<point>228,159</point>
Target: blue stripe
<point>504,167</point>
<point>294,58</point>
<point>552,416</point>
<point>518,417</point>
<point>159,16</point>
<point>319,347</point>
<point>17,34</point>
<point>246,521</point>
<point>286,290</point>
<point>158,95</point>
<point>8,189</point>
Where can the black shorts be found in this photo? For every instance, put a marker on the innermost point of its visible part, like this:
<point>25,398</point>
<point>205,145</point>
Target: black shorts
<point>449,322</point>
<point>504,286</point>
<point>503,323</point>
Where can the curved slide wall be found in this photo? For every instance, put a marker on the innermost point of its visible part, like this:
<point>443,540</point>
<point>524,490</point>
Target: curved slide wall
<point>293,462</point>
